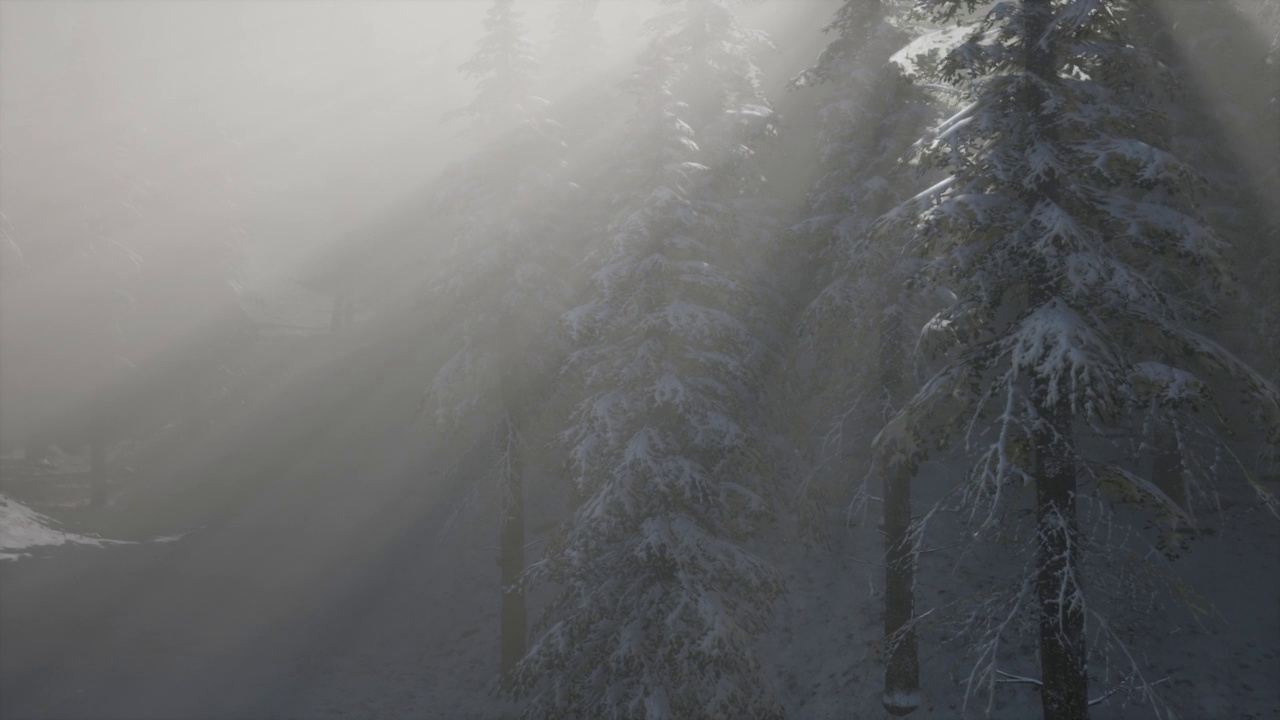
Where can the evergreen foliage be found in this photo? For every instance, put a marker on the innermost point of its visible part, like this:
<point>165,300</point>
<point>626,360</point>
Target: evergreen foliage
<point>1083,270</point>
<point>506,282</point>
<point>659,599</point>
<point>871,115</point>
<point>504,278</point>
<point>855,329</point>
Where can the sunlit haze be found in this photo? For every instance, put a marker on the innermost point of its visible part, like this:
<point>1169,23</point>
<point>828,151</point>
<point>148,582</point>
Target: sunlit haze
<point>661,359</point>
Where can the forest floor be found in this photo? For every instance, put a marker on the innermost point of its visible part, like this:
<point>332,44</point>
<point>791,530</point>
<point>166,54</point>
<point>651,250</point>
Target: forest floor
<point>306,607</point>
<point>826,651</point>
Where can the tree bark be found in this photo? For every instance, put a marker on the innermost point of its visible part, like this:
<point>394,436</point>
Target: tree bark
<point>1166,467</point>
<point>97,458</point>
<point>902,667</point>
<point>192,410</point>
<point>513,632</point>
<point>511,560</point>
<point>1064,690</point>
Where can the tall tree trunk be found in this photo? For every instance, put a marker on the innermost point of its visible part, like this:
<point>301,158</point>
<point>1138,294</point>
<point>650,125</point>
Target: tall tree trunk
<point>1166,467</point>
<point>1064,690</point>
<point>97,456</point>
<point>511,560</point>
<point>192,413</point>
<point>511,536</point>
<point>902,667</point>
<point>1065,683</point>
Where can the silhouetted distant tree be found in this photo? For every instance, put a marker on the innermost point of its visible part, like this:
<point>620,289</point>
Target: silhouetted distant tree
<point>505,278</point>
<point>856,330</point>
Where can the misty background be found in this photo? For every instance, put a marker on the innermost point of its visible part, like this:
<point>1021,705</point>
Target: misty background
<point>244,244</point>
<point>227,152</point>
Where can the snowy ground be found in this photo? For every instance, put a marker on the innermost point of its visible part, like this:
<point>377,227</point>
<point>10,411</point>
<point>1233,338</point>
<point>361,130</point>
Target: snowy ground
<point>328,597</point>
<point>402,622</point>
<point>825,647</point>
<point>23,529</point>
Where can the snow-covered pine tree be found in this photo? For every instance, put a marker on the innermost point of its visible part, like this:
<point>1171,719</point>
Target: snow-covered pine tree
<point>659,600</point>
<point>855,327</point>
<point>505,279</point>
<point>1082,270</point>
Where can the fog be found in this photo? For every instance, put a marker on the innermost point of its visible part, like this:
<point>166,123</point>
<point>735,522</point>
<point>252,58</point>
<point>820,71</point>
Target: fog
<point>288,123</point>
<point>168,139</point>
<point>310,312</point>
<point>185,187</point>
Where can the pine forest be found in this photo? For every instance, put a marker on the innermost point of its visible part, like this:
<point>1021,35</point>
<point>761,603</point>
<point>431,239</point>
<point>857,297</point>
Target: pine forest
<point>640,359</point>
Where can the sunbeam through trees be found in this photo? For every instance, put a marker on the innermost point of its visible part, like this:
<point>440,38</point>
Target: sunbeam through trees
<point>640,359</point>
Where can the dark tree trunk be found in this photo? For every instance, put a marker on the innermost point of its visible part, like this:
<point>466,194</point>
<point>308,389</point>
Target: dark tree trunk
<point>1166,467</point>
<point>902,667</point>
<point>1059,591</point>
<point>192,412</point>
<point>511,560</point>
<point>97,458</point>
<point>511,536</point>
<point>1058,583</point>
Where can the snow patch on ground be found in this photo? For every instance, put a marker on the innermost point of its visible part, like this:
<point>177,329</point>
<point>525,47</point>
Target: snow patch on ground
<point>21,528</point>
<point>901,703</point>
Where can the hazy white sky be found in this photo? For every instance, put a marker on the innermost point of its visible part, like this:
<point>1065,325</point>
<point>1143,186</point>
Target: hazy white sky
<point>289,117</point>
